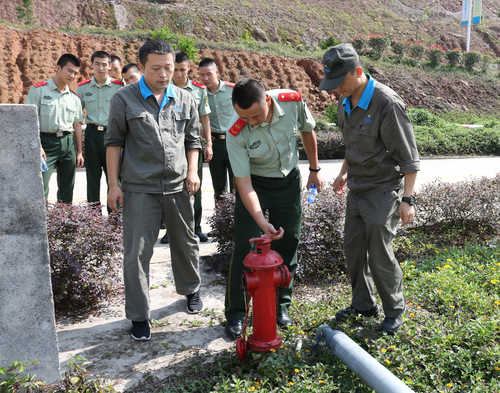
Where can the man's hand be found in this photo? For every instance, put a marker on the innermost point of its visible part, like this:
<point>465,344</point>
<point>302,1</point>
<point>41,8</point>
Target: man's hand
<point>269,228</point>
<point>79,160</point>
<point>208,153</point>
<point>43,153</point>
<point>192,181</point>
<point>115,194</point>
<point>406,212</point>
<point>315,178</point>
<point>339,183</point>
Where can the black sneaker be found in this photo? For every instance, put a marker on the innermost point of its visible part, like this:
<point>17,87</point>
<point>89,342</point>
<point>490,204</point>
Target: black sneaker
<point>344,314</point>
<point>202,236</point>
<point>193,303</point>
<point>140,331</point>
<point>392,325</point>
<point>164,239</point>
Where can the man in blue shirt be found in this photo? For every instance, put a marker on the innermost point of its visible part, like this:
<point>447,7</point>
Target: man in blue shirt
<point>380,169</point>
<point>157,126</point>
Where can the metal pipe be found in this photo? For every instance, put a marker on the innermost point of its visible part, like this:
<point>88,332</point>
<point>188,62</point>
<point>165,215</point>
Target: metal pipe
<point>375,375</point>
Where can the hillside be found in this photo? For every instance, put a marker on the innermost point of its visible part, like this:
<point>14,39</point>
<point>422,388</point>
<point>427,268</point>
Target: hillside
<point>29,55</point>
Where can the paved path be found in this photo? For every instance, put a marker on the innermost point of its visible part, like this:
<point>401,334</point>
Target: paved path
<point>176,336</point>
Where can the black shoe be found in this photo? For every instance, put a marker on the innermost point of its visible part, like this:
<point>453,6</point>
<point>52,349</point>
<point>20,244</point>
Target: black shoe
<point>392,325</point>
<point>234,328</point>
<point>162,225</point>
<point>164,239</point>
<point>212,234</point>
<point>193,303</point>
<point>202,236</point>
<point>283,320</point>
<point>140,331</point>
<point>344,314</point>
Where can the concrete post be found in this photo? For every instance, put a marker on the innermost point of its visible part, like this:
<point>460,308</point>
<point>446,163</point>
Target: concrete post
<point>27,323</point>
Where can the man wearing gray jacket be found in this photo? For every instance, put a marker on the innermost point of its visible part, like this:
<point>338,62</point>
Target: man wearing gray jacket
<point>380,168</point>
<point>157,126</point>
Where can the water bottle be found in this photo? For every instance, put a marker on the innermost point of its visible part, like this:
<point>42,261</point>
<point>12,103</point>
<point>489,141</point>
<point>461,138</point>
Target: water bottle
<point>311,193</point>
<point>45,167</point>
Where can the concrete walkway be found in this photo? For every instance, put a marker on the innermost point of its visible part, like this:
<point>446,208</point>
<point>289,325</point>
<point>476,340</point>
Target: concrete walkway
<point>177,336</point>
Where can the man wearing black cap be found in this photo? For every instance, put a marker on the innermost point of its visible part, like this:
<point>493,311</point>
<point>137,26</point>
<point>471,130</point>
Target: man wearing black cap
<point>380,168</point>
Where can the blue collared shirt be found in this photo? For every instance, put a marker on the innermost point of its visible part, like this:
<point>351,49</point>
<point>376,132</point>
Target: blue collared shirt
<point>146,92</point>
<point>365,99</point>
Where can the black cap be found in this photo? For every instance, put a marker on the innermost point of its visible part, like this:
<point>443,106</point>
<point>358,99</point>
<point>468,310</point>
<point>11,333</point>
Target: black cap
<point>337,62</point>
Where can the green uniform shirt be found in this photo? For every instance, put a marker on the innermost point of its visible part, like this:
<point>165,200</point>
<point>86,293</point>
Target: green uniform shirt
<point>270,150</point>
<point>57,110</point>
<point>221,108</point>
<point>96,99</point>
<point>199,94</point>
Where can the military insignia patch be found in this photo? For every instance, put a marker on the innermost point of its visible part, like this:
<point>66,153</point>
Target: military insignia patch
<point>117,82</point>
<point>84,82</point>
<point>236,128</point>
<point>290,96</point>
<point>75,93</point>
<point>230,84</point>
<point>255,145</point>
<point>40,84</point>
<point>198,84</point>
<point>47,97</point>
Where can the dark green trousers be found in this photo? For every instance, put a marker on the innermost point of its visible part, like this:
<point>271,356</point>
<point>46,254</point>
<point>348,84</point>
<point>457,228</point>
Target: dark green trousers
<point>198,209</point>
<point>61,154</point>
<point>95,162</point>
<point>282,197</point>
<point>220,168</point>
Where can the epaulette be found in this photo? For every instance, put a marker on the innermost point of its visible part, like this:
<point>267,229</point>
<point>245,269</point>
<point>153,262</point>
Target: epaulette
<point>230,84</point>
<point>40,84</point>
<point>291,96</point>
<point>74,92</point>
<point>84,82</point>
<point>117,82</point>
<point>237,127</point>
<point>198,84</point>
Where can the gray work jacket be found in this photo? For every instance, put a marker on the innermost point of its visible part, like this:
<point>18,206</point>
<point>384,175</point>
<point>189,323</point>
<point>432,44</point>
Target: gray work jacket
<point>380,144</point>
<point>154,141</point>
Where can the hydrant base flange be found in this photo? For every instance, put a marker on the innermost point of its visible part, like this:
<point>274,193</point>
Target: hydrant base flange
<point>261,346</point>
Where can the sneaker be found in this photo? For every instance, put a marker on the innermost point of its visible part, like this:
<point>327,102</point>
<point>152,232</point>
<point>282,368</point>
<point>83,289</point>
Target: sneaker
<point>193,303</point>
<point>140,331</point>
<point>392,325</point>
<point>344,314</point>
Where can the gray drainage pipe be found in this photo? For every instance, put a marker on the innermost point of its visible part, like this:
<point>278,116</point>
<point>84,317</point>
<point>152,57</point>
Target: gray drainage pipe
<point>360,362</point>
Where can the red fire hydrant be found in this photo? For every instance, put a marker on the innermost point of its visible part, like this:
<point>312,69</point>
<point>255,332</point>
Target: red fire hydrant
<point>262,284</point>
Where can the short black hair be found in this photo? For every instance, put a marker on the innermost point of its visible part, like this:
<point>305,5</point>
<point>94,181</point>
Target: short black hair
<point>207,62</point>
<point>247,92</point>
<point>181,57</point>
<point>68,58</point>
<point>100,54</point>
<point>129,67</point>
<point>158,47</point>
<point>115,58</point>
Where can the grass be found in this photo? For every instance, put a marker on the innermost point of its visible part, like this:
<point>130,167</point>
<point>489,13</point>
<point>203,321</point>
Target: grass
<point>450,341</point>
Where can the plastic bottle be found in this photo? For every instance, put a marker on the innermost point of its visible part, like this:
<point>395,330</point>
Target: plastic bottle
<point>45,167</point>
<point>311,193</point>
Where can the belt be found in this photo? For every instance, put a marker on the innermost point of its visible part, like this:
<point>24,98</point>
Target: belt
<point>98,128</point>
<point>219,136</point>
<point>57,134</point>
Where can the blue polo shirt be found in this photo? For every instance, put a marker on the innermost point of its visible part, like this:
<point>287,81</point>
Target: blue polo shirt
<point>146,92</point>
<point>365,99</point>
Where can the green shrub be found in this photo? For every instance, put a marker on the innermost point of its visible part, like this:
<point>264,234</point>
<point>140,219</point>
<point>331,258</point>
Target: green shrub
<point>471,59</point>
<point>422,117</point>
<point>163,33</point>
<point>358,43</point>
<point>379,43</point>
<point>329,42</point>
<point>186,45</point>
<point>485,63</point>
<point>330,145</point>
<point>435,55</point>
<point>400,48</point>
<point>85,257</point>
<point>454,57</point>
<point>245,36</point>
<point>25,12</point>
<point>331,113</point>
<point>417,50</point>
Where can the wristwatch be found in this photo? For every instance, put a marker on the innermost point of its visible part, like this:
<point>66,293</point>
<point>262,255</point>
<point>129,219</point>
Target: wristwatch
<point>315,170</point>
<point>411,200</point>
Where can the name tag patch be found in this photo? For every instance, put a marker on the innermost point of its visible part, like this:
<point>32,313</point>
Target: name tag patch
<point>47,97</point>
<point>369,119</point>
<point>88,94</point>
<point>178,108</point>
<point>255,145</point>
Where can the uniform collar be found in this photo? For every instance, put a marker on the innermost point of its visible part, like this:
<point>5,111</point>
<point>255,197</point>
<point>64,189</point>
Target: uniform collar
<point>146,92</point>
<point>107,82</point>
<point>53,86</point>
<point>365,99</point>
<point>277,113</point>
<point>189,84</point>
<point>222,87</point>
